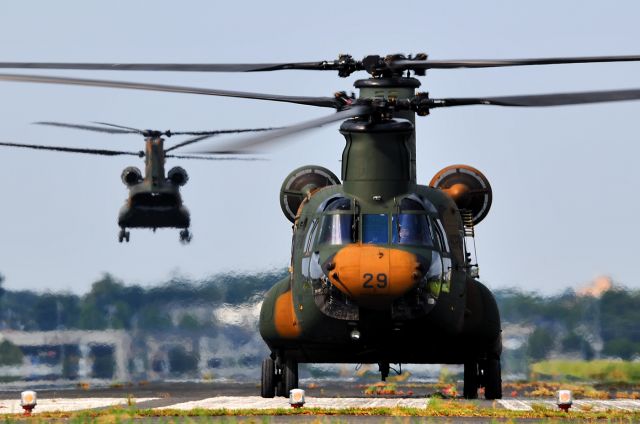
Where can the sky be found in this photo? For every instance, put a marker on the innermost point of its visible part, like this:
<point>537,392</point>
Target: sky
<point>564,179</point>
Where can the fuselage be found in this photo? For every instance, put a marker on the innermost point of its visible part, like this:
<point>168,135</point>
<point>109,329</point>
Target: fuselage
<point>154,200</point>
<point>390,273</point>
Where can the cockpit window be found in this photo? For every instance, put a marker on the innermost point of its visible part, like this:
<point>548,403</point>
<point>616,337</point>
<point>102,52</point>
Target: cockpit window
<point>338,204</point>
<point>407,204</point>
<point>375,228</point>
<point>336,229</point>
<point>411,229</point>
<point>440,234</point>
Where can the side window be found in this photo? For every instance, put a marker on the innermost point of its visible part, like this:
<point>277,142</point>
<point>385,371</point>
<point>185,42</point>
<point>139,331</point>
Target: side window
<point>440,236</point>
<point>311,235</point>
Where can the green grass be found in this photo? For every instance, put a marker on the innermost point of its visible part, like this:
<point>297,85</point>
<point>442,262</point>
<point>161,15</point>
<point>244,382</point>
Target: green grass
<point>439,408</point>
<point>600,371</point>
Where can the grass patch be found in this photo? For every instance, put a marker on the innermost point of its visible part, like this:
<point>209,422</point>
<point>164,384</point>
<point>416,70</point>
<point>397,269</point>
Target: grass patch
<point>600,370</point>
<point>436,408</point>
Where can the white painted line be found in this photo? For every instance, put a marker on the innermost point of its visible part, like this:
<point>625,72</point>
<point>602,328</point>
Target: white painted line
<point>256,402</point>
<point>514,405</point>
<point>12,406</point>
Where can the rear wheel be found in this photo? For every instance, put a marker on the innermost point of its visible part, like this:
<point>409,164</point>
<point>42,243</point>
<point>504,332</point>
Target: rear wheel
<point>268,386</point>
<point>470,390</point>
<point>492,379</point>
<point>290,376</point>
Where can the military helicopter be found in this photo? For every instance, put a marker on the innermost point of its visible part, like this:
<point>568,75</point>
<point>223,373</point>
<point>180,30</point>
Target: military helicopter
<point>154,199</point>
<point>382,268</point>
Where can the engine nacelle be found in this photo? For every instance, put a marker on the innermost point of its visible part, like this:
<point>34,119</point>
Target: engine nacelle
<point>468,188</point>
<point>301,183</point>
<point>131,176</point>
<point>178,176</point>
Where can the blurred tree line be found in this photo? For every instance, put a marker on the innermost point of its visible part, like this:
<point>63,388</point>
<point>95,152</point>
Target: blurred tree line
<point>570,325</point>
<point>111,304</point>
<point>566,324</point>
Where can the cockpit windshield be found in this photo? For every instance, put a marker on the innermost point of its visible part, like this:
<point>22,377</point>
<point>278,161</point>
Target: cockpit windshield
<point>337,222</point>
<point>411,229</point>
<point>375,228</point>
<point>336,229</point>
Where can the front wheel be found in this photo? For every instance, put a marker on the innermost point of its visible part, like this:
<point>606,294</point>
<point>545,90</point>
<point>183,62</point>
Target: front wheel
<point>268,384</point>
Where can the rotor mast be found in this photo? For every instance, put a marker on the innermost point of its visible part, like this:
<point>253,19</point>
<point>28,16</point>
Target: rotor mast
<point>399,88</point>
<point>154,159</point>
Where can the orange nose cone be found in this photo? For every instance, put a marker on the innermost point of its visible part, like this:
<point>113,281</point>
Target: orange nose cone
<point>374,276</point>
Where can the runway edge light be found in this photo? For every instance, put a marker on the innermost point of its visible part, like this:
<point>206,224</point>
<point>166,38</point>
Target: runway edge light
<point>296,398</point>
<point>564,399</point>
<point>28,400</point>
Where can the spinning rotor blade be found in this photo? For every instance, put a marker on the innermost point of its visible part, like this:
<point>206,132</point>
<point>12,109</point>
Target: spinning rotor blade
<point>102,152</point>
<point>345,64</point>
<point>87,127</point>
<point>178,67</point>
<point>208,134</point>
<point>451,64</point>
<point>312,101</point>
<point>133,130</point>
<point>539,100</point>
<point>245,146</point>
<point>210,158</point>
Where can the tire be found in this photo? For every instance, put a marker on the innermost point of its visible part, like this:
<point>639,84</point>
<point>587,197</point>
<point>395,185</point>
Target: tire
<point>267,387</point>
<point>279,387</point>
<point>470,390</point>
<point>493,380</point>
<point>290,376</point>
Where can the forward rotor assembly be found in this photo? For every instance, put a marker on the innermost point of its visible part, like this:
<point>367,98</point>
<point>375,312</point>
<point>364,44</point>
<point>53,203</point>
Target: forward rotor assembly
<point>392,69</point>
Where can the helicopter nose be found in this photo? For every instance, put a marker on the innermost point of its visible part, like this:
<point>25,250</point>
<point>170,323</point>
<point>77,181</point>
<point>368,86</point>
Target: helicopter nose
<point>373,276</point>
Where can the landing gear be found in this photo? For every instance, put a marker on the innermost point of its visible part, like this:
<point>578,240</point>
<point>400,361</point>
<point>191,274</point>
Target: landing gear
<point>123,235</point>
<point>290,376</point>
<point>470,390</point>
<point>268,383</point>
<point>483,373</point>
<point>492,377</point>
<point>384,370</point>
<point>185,236</point>
<point>278,377</point>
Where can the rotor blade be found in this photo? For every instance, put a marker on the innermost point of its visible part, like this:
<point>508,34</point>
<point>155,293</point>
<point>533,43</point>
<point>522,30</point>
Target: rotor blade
<point>312,101</point>
<point>535,100</point>
<point>178,67</point>
<point>247,144</point>
<point>211,158</point>
<point>86,127</point>
<point>73,149</point>
<point>208,134</point>
<point>216,132</point>
<point>122,127</point>
<point>494,63</point>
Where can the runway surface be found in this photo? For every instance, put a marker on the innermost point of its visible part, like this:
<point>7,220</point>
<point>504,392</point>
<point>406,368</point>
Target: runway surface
<point>234,396</point>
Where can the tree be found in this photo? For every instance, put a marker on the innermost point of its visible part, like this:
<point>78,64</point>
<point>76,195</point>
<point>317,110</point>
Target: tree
<point>10,354</point>
<point>540,344</point>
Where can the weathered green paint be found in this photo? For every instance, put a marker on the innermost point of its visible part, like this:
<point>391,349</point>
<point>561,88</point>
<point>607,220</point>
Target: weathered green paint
<point>462,323</point>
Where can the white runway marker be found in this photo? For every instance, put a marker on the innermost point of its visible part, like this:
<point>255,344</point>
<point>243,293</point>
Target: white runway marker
<point>12,406</point>
<point>584,405</point>
<point>514,405</point>
<point>256,402</point>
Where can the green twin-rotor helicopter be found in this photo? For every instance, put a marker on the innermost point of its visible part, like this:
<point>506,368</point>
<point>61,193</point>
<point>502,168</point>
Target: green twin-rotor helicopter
<point>382,268</point>
<point>154,197</point>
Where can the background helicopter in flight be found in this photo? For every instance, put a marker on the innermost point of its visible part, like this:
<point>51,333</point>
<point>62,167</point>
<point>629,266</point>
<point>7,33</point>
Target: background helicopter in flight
<point>154,199</point>
<point>382,269</point>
